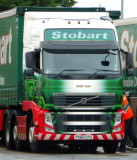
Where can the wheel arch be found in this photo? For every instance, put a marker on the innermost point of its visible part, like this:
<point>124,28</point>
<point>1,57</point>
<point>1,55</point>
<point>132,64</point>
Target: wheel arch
<point>32,110</point>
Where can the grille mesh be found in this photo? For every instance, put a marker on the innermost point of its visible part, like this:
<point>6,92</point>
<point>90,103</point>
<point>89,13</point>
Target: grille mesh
<point>83,128</point>
<point>71,121</point>
<point>83,118</point>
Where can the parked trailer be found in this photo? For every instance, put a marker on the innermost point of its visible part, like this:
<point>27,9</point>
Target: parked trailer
<point>127,34</point>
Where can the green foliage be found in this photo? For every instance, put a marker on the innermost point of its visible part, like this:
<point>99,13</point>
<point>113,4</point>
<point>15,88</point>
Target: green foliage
<point>65,3</point>
<point>8,4</point>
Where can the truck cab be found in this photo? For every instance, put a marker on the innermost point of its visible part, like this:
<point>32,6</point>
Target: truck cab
<point>76,65</point>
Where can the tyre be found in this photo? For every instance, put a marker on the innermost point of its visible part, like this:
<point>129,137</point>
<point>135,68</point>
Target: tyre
<point>34,145</point>
<point>8,130</point>
<point>89,147</point>
<point>19,144</point>
<point>110,147</point>
<point>74,147</point>
<point>2,135</point>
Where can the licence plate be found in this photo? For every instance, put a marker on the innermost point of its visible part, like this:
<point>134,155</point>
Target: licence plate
<point>83,137</point>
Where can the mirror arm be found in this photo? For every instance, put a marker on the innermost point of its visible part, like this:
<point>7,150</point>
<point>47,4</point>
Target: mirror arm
<point>123,51</point>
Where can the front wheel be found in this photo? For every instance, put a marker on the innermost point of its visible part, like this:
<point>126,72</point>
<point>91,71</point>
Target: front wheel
<point>110,147</point>
<point>34,145</point>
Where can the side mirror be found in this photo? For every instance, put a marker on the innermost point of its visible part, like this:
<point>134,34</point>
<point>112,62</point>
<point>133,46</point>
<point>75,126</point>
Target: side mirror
<point>129,60</point>
<point>29,59</point>
<point>33,59</point>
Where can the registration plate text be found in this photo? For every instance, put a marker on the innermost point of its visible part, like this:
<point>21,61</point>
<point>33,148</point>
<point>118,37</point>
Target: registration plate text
<point>83,137</point>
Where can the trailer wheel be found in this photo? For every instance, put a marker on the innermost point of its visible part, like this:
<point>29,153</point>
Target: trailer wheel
<point>110,147</point>
<point>35,146</point>
<point>9,141</point>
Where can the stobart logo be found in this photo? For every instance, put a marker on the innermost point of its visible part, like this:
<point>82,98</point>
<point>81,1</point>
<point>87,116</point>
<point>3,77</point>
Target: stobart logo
<point>5,48</point>
<point>79,35</point>
<point>83,35</point>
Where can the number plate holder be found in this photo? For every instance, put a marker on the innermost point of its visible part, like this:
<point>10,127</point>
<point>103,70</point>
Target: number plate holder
<point>83,137</point>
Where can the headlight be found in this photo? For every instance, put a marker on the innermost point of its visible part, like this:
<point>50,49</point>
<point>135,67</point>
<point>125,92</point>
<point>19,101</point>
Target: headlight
<point>48,119</point>
<point>118,118</point>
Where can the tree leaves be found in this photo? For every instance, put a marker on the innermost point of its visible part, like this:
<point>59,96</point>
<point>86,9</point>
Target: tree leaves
<point>8,4</point>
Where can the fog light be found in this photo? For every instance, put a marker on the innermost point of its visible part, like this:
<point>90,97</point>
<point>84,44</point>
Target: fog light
<point>117,129</point>
<point>49,130</point>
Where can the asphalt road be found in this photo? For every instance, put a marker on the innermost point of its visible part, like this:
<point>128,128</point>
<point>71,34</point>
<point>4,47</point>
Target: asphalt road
<point>62,153</point>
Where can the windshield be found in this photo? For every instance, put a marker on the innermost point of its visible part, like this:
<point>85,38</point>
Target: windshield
<point>82,65</point>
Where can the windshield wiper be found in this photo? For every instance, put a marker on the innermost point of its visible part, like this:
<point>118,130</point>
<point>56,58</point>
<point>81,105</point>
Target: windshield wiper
<point>102,70</point>
<point>67,70</point>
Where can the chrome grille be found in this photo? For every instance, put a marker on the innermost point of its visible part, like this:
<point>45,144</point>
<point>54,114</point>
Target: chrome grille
<point>83,118</point>
<point>84,100</point>
<point>83,128</point>
<point>80,122</point>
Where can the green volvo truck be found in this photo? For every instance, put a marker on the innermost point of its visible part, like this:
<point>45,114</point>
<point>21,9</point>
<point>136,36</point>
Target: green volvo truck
<point>61,79</point>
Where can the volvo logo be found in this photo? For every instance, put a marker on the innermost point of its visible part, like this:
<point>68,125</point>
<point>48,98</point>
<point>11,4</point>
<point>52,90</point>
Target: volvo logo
<point>84,100</point>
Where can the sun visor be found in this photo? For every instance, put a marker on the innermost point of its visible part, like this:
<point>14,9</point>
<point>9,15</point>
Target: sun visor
<point>78,45</point>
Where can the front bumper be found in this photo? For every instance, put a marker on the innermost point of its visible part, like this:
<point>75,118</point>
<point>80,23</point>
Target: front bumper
<point>64,137</point>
